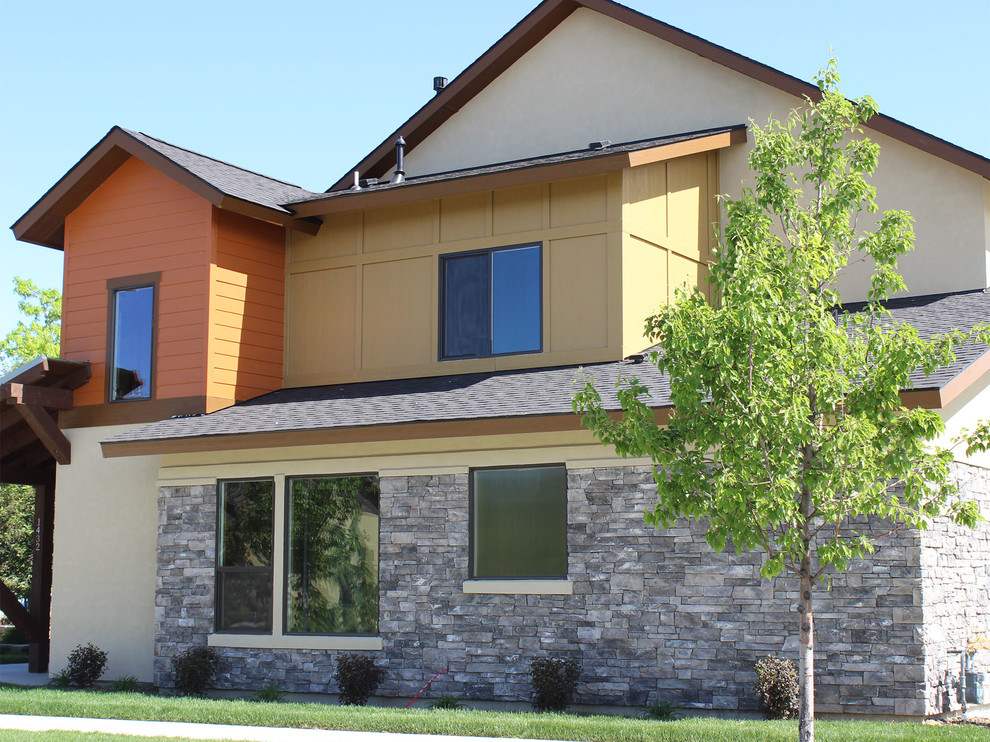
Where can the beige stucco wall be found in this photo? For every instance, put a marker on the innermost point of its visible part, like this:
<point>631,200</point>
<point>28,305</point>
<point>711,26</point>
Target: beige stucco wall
<point>103,583</point>
<point>963,413</point>
<point>594,78</point>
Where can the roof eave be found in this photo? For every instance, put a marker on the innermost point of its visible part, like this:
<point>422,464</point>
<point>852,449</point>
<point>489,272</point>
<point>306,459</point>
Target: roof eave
<point>410,190</point>
<point>43,223</point>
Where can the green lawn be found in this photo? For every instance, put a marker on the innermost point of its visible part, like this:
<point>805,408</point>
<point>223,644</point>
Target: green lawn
<point>50,702</point>
<point>13,659</point>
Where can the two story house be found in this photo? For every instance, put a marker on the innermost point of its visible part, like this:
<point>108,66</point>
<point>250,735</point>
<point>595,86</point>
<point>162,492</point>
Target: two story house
<point>341,421</point>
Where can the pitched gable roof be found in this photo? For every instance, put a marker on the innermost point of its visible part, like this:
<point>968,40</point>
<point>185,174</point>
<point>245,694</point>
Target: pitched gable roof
<point>222,184</point>
<point>550,14</point>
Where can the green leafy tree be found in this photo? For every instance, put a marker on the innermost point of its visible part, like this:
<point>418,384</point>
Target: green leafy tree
<point>787,425</point>
<point>37,334</point>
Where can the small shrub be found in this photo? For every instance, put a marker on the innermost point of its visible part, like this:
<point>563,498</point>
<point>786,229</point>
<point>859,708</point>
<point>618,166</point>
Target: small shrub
<point>60,679</point>
<point>271,693</point>
<point>12,635</point>
<point>777,687</point>
<point>124,684</point>
<point>660,711</point>
<point>357,677</point>
<point>447,701</point>
<point>194,669</point>
<point>85,665</point>
<point>553,680</point>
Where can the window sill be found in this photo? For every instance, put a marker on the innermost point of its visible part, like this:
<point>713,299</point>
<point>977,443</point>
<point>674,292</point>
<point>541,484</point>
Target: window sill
<point>251,641</point>
<point>519,587</point>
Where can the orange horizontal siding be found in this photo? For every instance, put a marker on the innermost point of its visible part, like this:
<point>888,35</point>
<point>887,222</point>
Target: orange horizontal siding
<point>267,354</point>
<point>274,284</point>
<point>247,313</point>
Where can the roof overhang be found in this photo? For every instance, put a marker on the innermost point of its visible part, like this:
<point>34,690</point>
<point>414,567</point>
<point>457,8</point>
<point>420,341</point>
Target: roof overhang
<point>548,15</point>
<point>471,181</point>
<point>44,223</point>
<point>359,434</point>
<point>31,398</point>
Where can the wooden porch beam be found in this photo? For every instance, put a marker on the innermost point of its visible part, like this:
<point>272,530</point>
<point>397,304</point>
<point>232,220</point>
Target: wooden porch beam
<point>41,396</point>
<point>47,431</point>
<point>32,476</point>
<point>11,607</point>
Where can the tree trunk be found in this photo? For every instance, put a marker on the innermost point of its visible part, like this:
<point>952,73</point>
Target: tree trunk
<point>806,666</point>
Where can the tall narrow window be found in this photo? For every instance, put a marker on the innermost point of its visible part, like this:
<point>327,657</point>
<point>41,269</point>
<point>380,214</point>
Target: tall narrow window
<point>519,523</point>
<point>133,317</point>
<point>244,556</point>
<point>332,570</point>
<point>491,302</point>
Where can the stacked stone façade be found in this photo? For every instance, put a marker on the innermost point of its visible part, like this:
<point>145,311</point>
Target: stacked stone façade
<point>653,615</point>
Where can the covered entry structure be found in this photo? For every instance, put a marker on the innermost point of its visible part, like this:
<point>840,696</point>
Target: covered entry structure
<point>31,446</point>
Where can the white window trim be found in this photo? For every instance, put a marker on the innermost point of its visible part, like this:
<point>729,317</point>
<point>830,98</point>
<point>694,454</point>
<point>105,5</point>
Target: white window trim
<point>518,587</point>
<point>264,641</point>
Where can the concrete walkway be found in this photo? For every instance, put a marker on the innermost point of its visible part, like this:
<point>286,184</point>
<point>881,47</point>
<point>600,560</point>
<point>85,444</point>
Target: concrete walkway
<point>216,731</point>
<point>18,674</point>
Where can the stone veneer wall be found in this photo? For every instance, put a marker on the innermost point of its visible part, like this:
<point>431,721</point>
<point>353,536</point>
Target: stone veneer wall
<point>955,570</point>
<point>652,615</point>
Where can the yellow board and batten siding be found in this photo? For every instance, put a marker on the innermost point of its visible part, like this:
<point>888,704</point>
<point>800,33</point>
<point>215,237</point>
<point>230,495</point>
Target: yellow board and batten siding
<point>363,294</point>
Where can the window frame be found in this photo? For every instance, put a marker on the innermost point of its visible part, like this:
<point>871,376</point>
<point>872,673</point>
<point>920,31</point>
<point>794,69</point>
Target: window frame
<point>125,283</point>
<point>287,545</point>
<point>218,568</point>
<point>442,300</point>
<point>472,515</point>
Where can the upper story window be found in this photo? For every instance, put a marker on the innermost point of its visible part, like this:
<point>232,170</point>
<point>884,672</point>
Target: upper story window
<point>132,332</point>
<point>491,302</point>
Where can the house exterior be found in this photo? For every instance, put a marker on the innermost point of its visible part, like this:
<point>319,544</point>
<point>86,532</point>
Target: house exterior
<point>341,421</point>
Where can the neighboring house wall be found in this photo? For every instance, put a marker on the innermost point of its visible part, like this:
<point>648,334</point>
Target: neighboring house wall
<point>652,615</point>
<point>595,78</point>
<point>103,584</point>
<point>363,295</point>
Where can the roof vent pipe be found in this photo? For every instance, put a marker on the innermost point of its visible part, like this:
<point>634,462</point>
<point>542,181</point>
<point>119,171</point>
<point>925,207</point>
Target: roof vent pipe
<point>400,170</point>
<point>439,83</point>
<point>357,182</point>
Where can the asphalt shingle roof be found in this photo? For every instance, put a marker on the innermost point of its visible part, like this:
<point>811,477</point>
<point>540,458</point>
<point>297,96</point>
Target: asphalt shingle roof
<point>229,179</point>
<point>505,394</point>
<point>530,162</point>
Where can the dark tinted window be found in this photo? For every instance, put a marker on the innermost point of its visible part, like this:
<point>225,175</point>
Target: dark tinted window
<point>519,526</point>
<point>465,306</point>
<point>491,303</point>
<point>133,320</point>
<point>244,556</point>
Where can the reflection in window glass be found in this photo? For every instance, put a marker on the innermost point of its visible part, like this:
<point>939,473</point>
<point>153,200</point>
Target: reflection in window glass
<point>332,575</point>
<point>244,558</point>
<point>519,526</point>
<point>516,300</point>
<point>133,320</point>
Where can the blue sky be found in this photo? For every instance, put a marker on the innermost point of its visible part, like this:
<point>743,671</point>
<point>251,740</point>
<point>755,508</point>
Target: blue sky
<point>222,77</point>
